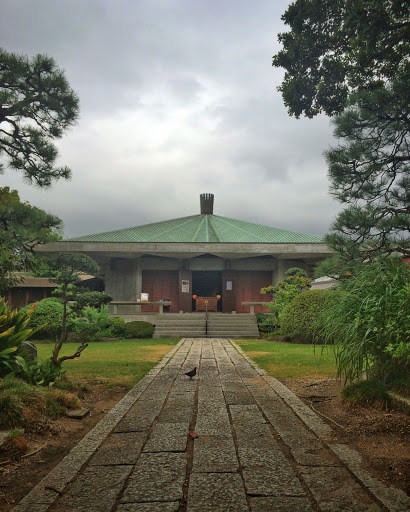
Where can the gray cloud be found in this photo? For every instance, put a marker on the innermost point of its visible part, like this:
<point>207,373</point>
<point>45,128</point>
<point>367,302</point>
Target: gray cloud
<point>177,98</point>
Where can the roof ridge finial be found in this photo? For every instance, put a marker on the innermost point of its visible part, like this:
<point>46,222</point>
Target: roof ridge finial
<point>207,204</point>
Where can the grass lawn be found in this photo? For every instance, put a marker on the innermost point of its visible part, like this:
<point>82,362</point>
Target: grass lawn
<point>115,363</point>
<point>282,360</point>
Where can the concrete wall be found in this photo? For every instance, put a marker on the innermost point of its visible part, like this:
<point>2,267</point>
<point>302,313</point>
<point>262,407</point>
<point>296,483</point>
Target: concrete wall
<point>124,276</point>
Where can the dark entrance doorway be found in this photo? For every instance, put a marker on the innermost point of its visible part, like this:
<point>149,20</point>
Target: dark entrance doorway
<point>207,283</point>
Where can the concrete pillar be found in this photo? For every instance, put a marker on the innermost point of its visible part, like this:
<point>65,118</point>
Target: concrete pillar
<point>279,273</point>
<point>138,283</point>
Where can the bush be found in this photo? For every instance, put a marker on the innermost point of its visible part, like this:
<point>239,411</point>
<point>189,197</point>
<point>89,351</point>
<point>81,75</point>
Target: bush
<point>84,331</point>
<point>366,392</point>
<point>47,318</point>
<point>369,323</point>
<point>14,332</point>
<point>267,323</point>
<point>299,321</point>
<point>95,324</point>
<point>38,372</point>
<point>117,327</point>
<point>139,330</point>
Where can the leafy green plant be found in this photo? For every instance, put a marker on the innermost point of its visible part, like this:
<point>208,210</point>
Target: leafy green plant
<point>296,271</point>
<point>369,322</point>
<point>94,324</point>
<point>46,318</point>
<point>267,323</point>
<point>117,327</point>
<point>284,291</point>
<point>300,319</point>
<point>139,330</point>
<point>37,371</point>
<point>13,332</point>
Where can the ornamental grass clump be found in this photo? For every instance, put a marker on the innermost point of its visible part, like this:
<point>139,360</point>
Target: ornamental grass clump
<point>369,322</point>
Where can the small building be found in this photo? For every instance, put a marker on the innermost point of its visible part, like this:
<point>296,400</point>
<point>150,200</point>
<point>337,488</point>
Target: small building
<point>181,261</point>
<point>31,289</point>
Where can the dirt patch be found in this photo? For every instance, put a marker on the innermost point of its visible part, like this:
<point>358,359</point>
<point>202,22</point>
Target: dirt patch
<point>381,436</point>
<point>54,441</point>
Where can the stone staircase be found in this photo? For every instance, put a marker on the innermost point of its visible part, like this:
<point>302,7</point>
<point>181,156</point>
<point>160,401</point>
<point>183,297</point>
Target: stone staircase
<point>185,325</point>
<point>195,325</point>
<point>232,326</point>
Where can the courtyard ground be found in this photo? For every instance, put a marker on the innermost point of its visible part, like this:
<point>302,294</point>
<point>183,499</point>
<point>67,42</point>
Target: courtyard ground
<point>351,433</point>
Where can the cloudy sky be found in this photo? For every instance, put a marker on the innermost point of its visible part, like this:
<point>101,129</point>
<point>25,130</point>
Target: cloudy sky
<point>178,97</point>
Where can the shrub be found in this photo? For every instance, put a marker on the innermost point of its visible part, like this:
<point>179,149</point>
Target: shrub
<point>47,318</point>
<point>299,321</point>
<point>117,327</point>
<point>38,372</point>
<point>284,292</point>
<point>95,324</point>
<point>369,322</point>
<point>366,392</point>
<point>14,332</point>
<point>84,331</point>
<point>139,330</point>
<point>267,323</point>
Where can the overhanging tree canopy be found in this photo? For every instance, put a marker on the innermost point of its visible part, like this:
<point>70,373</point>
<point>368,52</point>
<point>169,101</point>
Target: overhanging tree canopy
<point>349,59</point>
<point>22,228</point>
<point>338,47</point>
<point>36,106</point>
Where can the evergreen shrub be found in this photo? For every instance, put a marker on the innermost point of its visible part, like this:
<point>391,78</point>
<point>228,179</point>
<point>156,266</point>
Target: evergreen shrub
<point>138,329</point>
<point>47,317</point>
<point>117,327</point>
<point>299,321</point>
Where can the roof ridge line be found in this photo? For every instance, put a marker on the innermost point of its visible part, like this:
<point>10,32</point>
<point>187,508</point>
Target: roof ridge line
<point>198,229</point>
<point>218,235</point>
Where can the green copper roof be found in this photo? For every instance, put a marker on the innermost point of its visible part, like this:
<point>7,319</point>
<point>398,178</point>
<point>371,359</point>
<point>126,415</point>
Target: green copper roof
<point>203,228</point>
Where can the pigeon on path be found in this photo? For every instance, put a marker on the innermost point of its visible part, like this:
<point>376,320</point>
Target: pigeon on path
<point>191,373</point>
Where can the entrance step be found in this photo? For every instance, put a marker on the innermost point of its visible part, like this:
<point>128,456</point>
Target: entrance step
<point>194,325</point>
<point>233,326</point>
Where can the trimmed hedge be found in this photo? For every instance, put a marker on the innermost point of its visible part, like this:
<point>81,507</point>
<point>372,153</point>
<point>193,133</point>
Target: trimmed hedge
<point>139,330</point>
<point>117,327</point>
<point>48,314</point>
<point>299,321</point>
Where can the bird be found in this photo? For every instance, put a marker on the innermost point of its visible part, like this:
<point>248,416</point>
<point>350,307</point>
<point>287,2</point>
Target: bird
<point>191,373</point>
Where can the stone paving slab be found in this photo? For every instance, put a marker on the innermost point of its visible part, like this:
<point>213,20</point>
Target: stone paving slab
<point>259,448</point>
<point>95,482</point>
<point>156,477</point>
<point>120,448</point>
<point>220,492</point>
<point>285,504</point>
<point>168,437</point>
<point>213,454</point>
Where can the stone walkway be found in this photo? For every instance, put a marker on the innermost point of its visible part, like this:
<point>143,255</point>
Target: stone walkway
<point>258,448</point>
